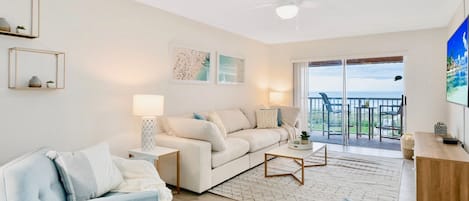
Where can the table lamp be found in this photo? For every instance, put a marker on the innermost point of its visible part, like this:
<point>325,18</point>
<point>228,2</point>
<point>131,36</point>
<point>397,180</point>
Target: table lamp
<point>148,107</point>
<point>276,98</point>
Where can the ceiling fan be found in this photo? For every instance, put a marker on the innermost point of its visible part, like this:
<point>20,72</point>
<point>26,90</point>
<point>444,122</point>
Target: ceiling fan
<point>288,9</point>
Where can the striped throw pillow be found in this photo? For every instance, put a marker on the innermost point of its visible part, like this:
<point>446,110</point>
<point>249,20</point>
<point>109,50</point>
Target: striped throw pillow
<point>267,118</point>
<point>87,174</point>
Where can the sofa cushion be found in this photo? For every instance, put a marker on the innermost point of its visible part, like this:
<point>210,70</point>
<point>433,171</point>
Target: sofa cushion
<point>250,113</point>
<point>281,131</point>
<point>257,138</point>
<point>289,114</point>
<point>31,177</point>
<point>267,118</point>
<point>87,174</point>
<point>214,118</point>
<point>235,148</point>
<point>199,130</point>
<point>234,120</point>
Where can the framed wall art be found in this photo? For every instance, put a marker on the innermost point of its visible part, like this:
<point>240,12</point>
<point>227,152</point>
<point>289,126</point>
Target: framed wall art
<point>191,65</point>
<point>231,69</point>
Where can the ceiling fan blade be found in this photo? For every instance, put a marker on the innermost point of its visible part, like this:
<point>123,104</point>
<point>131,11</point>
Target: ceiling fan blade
<point>263,4</point>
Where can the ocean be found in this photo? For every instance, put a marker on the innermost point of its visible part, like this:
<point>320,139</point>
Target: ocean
<point>360,94</point>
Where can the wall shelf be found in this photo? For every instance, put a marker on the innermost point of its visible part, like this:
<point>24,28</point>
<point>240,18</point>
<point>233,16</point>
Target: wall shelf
<point>34,28</point>
<point>18,35</point>
<point>23,63</point>
<point>34,88</point>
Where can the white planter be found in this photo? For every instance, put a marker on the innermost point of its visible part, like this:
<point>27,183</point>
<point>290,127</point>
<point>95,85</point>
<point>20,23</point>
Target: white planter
<point>51,85</point>
<point>22,31</point>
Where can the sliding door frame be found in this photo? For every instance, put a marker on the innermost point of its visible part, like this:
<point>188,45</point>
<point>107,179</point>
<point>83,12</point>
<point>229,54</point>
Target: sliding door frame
<point>343,59</point>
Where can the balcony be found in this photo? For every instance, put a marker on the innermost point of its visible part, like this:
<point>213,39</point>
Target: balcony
<point>363,118</point>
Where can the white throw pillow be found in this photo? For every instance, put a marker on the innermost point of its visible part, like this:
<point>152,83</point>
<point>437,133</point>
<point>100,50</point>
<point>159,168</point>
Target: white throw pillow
<point>234,120</point>
<point>199,130</point>
<point>289,114</point>
<point>267,118</point>
<point>250,113</point>
<point>213,117</point>
<point>87,174</point>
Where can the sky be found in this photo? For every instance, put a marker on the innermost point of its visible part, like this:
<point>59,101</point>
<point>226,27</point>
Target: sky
<point>368,78</point>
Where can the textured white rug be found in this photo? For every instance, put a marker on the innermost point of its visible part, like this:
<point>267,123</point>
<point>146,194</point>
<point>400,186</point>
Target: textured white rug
<point>346,177</point>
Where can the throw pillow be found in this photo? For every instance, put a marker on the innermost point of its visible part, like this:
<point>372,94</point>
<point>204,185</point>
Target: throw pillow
<point>87,174</point>
<point>234,120</point>
<point>290,115</point>
<point>214,118</point>
<point>199,116</point>
<point>267,118</point>
<point>250,113</point>
<point>199,130</point>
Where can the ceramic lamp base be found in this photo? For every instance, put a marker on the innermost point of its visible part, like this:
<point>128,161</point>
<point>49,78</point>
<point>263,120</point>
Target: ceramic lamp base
<point>148,133</point>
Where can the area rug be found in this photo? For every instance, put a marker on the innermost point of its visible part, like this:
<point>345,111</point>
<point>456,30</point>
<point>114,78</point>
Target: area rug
<point>347,177</point>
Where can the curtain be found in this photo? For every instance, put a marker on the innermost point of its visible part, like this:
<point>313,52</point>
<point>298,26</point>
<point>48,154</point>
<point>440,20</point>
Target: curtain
<point>300,92</point>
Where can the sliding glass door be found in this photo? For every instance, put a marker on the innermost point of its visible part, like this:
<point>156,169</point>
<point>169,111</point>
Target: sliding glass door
<point>328,106</point>
<point>356,101</point>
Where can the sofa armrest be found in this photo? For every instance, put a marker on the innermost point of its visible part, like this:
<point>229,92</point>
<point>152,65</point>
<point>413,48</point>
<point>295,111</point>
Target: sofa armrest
<point>138,196</point>
<point>195,162</point>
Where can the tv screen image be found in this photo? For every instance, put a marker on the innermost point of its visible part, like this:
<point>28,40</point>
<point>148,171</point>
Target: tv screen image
<point>456,66</point>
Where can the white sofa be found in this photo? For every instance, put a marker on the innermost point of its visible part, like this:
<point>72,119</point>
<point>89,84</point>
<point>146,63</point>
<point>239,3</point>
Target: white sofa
<point>202,169</point>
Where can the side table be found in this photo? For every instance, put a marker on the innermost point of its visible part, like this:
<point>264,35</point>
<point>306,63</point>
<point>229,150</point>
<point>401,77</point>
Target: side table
<point>154,155</point>
<point>370,120</point>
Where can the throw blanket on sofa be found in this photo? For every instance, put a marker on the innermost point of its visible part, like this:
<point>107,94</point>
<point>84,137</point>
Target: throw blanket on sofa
<point>293,132</point>
<point>140,175</point>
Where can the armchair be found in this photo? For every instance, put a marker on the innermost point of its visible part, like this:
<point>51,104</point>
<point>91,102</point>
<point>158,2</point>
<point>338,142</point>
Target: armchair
<point>34,177</point>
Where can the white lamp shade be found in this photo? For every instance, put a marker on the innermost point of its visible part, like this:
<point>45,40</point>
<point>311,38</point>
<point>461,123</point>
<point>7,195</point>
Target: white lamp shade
<point>276,98</point>
<point>148,105</point>
<point>287,11</point>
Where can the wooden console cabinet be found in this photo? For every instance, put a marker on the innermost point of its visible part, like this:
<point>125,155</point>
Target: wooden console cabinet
<point>442,171</point>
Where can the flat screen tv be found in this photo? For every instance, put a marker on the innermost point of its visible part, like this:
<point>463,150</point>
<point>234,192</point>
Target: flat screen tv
<point>457,90</point>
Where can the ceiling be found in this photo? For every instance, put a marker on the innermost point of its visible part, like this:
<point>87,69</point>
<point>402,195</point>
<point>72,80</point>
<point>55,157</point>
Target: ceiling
<point>319,19</point>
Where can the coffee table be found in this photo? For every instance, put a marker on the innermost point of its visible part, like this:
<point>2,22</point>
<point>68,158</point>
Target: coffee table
<point>298,157</point>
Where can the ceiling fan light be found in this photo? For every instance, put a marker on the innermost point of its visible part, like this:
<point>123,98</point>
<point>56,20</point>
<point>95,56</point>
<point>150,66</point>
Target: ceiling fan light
<point>287,11</point>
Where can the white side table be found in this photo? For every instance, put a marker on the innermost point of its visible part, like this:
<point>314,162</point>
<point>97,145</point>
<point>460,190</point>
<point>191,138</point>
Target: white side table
<point>154,155</point>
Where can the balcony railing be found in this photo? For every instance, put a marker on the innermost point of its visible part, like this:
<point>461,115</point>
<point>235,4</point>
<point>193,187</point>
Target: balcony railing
<point>359,112</point>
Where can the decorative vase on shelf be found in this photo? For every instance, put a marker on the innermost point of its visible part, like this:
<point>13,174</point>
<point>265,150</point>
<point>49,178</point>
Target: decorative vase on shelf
<point>4,26</point>
<point>35,82</point>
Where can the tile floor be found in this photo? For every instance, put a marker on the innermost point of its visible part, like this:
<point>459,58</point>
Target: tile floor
<point>407,192</point>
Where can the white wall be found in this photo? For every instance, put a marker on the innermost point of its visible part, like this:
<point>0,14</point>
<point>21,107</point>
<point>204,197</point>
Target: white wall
<point>115,48</point>
<point>457,113</point>
<point>424,67</point>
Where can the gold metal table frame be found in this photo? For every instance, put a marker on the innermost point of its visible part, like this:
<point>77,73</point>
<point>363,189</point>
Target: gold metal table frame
<point>300,161</point>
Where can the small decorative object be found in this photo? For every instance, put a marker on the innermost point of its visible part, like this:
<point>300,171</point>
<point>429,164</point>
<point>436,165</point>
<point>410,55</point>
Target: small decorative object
<point>304,137</point>
<point>440,128</point>
<point>367,103</point>
<point>21,30</point>
<point>299,144</point>
<point>35,82</point>
<point>4,26</point>
<point>407,146</point>
<point>51,84</point>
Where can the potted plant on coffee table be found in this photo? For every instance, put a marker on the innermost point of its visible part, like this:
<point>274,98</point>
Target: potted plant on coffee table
<point>304,137</point>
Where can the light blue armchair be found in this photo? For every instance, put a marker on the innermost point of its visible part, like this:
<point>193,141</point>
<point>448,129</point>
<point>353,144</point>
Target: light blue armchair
<point>34,177</point>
